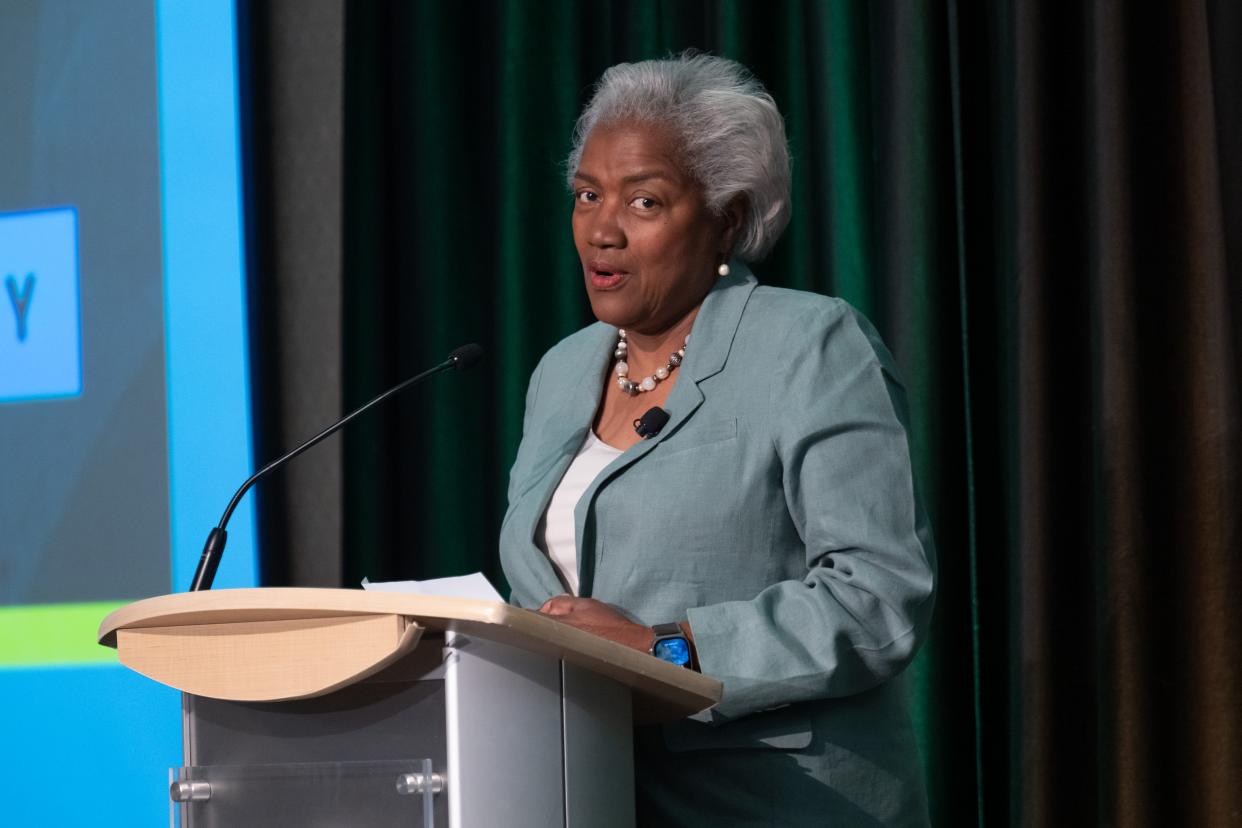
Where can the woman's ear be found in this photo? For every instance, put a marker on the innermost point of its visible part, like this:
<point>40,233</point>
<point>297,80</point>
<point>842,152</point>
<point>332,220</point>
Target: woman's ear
<point>733,216</point>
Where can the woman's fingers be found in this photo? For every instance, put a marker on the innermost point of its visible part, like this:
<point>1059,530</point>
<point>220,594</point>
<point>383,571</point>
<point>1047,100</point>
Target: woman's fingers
<point>599,619</point>
<point>558,605</point>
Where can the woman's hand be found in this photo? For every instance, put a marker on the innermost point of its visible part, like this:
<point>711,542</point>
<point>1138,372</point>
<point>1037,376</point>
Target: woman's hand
<point>600,619</point>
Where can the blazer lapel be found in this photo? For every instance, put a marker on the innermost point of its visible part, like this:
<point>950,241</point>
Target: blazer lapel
<point>578,397</point>
<point>710,342</point>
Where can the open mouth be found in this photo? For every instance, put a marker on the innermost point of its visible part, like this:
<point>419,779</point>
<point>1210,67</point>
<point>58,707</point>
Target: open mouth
<point>604,276</point>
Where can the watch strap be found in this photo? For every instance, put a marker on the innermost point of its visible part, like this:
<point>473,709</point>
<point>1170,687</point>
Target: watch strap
<point>665,630</point>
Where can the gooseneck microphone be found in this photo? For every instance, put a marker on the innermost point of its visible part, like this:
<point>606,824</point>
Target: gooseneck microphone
<point>462,358</point>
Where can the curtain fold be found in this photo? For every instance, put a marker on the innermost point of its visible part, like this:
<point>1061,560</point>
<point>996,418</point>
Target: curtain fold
<point>1127,420</point>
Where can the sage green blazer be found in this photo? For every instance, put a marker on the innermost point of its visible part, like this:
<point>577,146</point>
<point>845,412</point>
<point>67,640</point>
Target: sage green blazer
<point>776,512</point>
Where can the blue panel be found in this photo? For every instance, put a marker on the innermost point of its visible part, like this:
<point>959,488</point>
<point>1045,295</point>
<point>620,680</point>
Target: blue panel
<point>209,435</point>
<point>86,746</point>
<point>91,745</point>
<point>40,328</point>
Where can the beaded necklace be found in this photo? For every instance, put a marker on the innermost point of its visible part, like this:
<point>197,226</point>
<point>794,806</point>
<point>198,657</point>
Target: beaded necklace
<point>649,383</point>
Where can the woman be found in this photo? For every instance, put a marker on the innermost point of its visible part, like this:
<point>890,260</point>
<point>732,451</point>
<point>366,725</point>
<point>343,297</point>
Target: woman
<point>773,517</point>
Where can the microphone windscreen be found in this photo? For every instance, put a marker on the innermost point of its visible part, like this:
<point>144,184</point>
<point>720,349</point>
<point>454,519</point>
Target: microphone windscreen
<point>466,355</point>
<point>649,424</point>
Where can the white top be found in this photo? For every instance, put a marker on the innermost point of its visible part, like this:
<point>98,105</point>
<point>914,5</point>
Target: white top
<point>557,534</point>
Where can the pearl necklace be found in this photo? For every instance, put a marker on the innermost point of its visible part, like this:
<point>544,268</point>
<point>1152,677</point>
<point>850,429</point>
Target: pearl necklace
<point>622,368</point>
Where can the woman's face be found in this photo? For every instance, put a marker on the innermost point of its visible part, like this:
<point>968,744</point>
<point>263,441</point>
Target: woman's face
<point>648,244</point>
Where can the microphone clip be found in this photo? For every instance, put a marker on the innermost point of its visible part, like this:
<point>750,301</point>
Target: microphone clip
<point>650,423</point>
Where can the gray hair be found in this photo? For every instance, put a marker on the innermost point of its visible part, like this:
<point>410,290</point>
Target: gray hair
<point>730,131</point>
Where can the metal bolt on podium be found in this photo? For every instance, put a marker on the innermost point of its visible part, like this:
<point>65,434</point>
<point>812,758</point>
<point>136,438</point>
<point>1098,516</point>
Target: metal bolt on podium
<point>410,784</point>
<point>183,791</point>
<point>427,783</point>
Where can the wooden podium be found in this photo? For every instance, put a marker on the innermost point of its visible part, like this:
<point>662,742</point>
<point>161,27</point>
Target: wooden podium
<point>318,707</point>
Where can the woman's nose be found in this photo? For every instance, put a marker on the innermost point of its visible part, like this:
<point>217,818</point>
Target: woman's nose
<point>606,228</point>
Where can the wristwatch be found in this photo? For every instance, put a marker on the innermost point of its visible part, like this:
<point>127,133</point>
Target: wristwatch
<point>671,645</point>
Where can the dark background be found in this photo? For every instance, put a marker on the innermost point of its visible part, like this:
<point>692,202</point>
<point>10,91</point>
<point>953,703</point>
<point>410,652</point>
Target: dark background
<point>1039,206</point>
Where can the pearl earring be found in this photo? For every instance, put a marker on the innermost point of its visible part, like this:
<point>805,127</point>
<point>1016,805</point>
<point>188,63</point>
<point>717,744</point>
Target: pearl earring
<point>723,270</point>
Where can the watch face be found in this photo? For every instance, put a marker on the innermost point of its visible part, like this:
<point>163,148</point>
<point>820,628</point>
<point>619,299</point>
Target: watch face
<point>674,650</point>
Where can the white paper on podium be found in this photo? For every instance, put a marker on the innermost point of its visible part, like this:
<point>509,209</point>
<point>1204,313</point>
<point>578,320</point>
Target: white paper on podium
<point>475,585</point>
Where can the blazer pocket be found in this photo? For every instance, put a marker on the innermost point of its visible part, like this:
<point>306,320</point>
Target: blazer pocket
<point>685,439</point>
<point>778,730</point>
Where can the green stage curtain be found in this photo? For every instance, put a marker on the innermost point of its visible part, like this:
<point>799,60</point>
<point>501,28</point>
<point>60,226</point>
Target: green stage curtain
<point>1037,206</point>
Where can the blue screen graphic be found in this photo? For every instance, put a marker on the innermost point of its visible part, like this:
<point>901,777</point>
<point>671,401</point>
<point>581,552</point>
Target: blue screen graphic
<point>40,331</point>
<point>124,385</point>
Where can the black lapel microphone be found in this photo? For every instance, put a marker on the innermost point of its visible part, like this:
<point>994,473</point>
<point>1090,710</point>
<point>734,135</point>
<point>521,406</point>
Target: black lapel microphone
<point>462,358</point>
<point>649,424</point>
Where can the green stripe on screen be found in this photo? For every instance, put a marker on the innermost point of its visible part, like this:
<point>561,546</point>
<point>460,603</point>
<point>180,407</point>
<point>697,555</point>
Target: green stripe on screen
<point>46,634</point>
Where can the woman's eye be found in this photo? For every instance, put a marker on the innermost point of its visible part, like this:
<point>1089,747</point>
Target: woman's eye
<point>644,203</point>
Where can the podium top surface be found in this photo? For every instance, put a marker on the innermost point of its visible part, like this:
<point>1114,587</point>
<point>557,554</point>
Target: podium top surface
<point>662,691</point>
